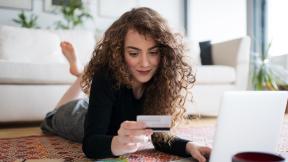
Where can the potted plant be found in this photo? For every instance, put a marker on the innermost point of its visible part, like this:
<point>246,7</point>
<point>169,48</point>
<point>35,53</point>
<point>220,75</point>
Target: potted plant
<point>26,22</point>
<point>263,76</point>
<point>268,75</point>
<point>74,14</point>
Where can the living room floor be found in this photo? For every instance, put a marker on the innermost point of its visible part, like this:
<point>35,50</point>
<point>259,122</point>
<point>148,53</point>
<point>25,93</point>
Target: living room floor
<point>38,146</point>
<point>19,130</point>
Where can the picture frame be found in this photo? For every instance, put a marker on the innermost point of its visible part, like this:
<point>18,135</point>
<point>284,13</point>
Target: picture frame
<point>48,6</point>
<point>17,4</point>
<point>53,6</point>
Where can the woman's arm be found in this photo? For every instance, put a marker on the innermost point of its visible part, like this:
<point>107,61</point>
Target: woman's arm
<point>173,145</point>
<point>170,144</point>
<point>96,142</point>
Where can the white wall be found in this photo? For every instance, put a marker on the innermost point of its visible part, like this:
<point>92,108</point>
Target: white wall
<point>217,20</point>
<point>208,19</point>
<point>45,19</point>
<point>104,12</point>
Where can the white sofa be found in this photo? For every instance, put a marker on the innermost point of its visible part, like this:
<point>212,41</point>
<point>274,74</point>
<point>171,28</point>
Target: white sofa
<point>229,71</point>
<point>34,74</point>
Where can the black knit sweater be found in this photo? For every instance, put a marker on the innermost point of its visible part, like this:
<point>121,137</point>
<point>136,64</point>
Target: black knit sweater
<point>108,108</point>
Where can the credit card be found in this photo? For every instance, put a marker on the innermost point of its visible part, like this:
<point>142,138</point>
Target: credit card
<point>158,123</point>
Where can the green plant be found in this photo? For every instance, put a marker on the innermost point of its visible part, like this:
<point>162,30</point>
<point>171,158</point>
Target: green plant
<point>74,14</point>
<point>263,77</point>
<point>26,22</point>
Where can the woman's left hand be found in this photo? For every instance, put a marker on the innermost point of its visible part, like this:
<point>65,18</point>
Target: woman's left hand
<point>198,152</point>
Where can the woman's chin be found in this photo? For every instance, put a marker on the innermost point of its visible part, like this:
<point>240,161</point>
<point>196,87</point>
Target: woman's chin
<point>142,80</point>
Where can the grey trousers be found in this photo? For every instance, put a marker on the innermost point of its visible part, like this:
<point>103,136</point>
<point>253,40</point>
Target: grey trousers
<point>67,121</point>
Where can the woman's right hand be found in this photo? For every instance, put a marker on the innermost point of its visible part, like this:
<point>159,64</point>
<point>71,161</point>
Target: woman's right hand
<point>131,135</point>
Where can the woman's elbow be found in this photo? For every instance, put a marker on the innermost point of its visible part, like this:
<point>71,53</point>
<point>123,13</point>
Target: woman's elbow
<point>87,151</point>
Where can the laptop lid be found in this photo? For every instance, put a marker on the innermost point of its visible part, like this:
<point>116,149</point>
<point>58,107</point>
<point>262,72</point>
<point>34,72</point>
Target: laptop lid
<point>248,121</point>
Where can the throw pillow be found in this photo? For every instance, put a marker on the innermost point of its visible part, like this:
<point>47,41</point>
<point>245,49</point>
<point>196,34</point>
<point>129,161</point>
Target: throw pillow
<point>206,53</point>
<point>192,52</point>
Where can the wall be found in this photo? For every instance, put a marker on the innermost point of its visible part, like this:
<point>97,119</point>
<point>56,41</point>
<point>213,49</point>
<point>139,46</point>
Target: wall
<point>216,20</point>
<point>104,12</point>
<point>208,19</point>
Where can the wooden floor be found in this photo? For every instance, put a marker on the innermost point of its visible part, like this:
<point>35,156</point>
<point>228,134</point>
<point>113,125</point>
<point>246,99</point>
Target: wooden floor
<point>19,132</point>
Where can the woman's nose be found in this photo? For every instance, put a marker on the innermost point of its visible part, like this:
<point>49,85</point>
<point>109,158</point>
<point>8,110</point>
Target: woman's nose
<point>144,60</point>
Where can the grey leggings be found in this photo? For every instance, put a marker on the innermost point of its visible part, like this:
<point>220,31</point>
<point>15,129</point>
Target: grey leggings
<point>67,121</point>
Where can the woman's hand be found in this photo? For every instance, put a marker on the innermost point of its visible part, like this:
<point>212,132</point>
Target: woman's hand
<point>131,135</point>
<point>198,152</point>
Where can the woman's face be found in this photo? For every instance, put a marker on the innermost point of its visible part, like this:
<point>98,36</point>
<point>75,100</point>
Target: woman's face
<point>141,55</point>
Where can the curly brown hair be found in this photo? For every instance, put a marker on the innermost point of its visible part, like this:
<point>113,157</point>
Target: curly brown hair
<point>168,88</point>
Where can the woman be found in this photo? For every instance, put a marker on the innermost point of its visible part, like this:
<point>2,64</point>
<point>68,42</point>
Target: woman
<point>137,69</point>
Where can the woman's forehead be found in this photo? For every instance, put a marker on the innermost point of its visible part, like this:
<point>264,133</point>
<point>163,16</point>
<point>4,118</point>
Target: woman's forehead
<point>133,37</point>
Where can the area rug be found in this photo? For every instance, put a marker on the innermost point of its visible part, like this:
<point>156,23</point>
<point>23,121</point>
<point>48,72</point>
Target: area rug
<point>54,147</point>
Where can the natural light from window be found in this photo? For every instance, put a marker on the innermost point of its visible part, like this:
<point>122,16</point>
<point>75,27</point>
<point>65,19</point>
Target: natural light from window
<point>277,26</point>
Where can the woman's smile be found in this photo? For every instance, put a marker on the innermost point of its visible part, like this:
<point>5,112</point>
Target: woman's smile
<point>143,72</point>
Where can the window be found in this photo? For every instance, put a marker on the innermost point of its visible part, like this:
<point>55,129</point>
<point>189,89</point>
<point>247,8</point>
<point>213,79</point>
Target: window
<point>216,20</point>
<point>277,26</point>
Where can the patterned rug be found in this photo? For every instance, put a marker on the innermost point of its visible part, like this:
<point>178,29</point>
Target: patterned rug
<point>54,147</point>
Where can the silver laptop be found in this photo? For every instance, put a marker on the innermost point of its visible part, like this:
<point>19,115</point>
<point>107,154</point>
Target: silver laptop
<point>248,121</point>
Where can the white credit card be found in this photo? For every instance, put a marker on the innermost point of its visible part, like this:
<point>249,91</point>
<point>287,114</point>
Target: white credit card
<point>158,123</point>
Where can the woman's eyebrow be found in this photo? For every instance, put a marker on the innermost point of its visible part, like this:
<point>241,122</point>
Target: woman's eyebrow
<point>154,47</point>
<point>135,48</point>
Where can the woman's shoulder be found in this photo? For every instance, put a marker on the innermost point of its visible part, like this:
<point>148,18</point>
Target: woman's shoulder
<point>103,75</point>
<point>103,83</point>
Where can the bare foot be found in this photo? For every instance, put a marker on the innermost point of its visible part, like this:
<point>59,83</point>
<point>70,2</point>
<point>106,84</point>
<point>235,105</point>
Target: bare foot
<point>76,68</point>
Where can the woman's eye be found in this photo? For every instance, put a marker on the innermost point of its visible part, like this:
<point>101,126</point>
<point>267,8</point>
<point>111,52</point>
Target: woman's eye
<point>154,52</point>
<point>133,54</point>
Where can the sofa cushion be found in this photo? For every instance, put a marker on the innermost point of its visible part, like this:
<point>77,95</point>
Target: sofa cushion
<point>29,45</point>
<point>215,74</point>
<point>34,73</point>
<point>206,53</point>
<point>192,52</point>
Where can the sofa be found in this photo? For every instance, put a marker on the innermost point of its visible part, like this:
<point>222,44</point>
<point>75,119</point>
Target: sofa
<point>34,74</point>
<point>229,72</point>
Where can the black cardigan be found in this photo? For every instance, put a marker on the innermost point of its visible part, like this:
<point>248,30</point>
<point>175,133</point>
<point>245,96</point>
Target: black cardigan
<point>108,108</point>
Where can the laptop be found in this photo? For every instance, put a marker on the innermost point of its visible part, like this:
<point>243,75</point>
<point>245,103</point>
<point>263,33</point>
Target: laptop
<point>248,121</point>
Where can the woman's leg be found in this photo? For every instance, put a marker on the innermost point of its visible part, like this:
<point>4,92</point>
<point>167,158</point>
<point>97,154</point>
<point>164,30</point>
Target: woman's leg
<point>74,92</point>
<point>67,120</point>
<point>68,51</point>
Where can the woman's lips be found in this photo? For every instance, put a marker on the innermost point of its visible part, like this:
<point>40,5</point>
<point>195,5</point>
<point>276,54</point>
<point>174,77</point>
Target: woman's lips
<point>143,72</point>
